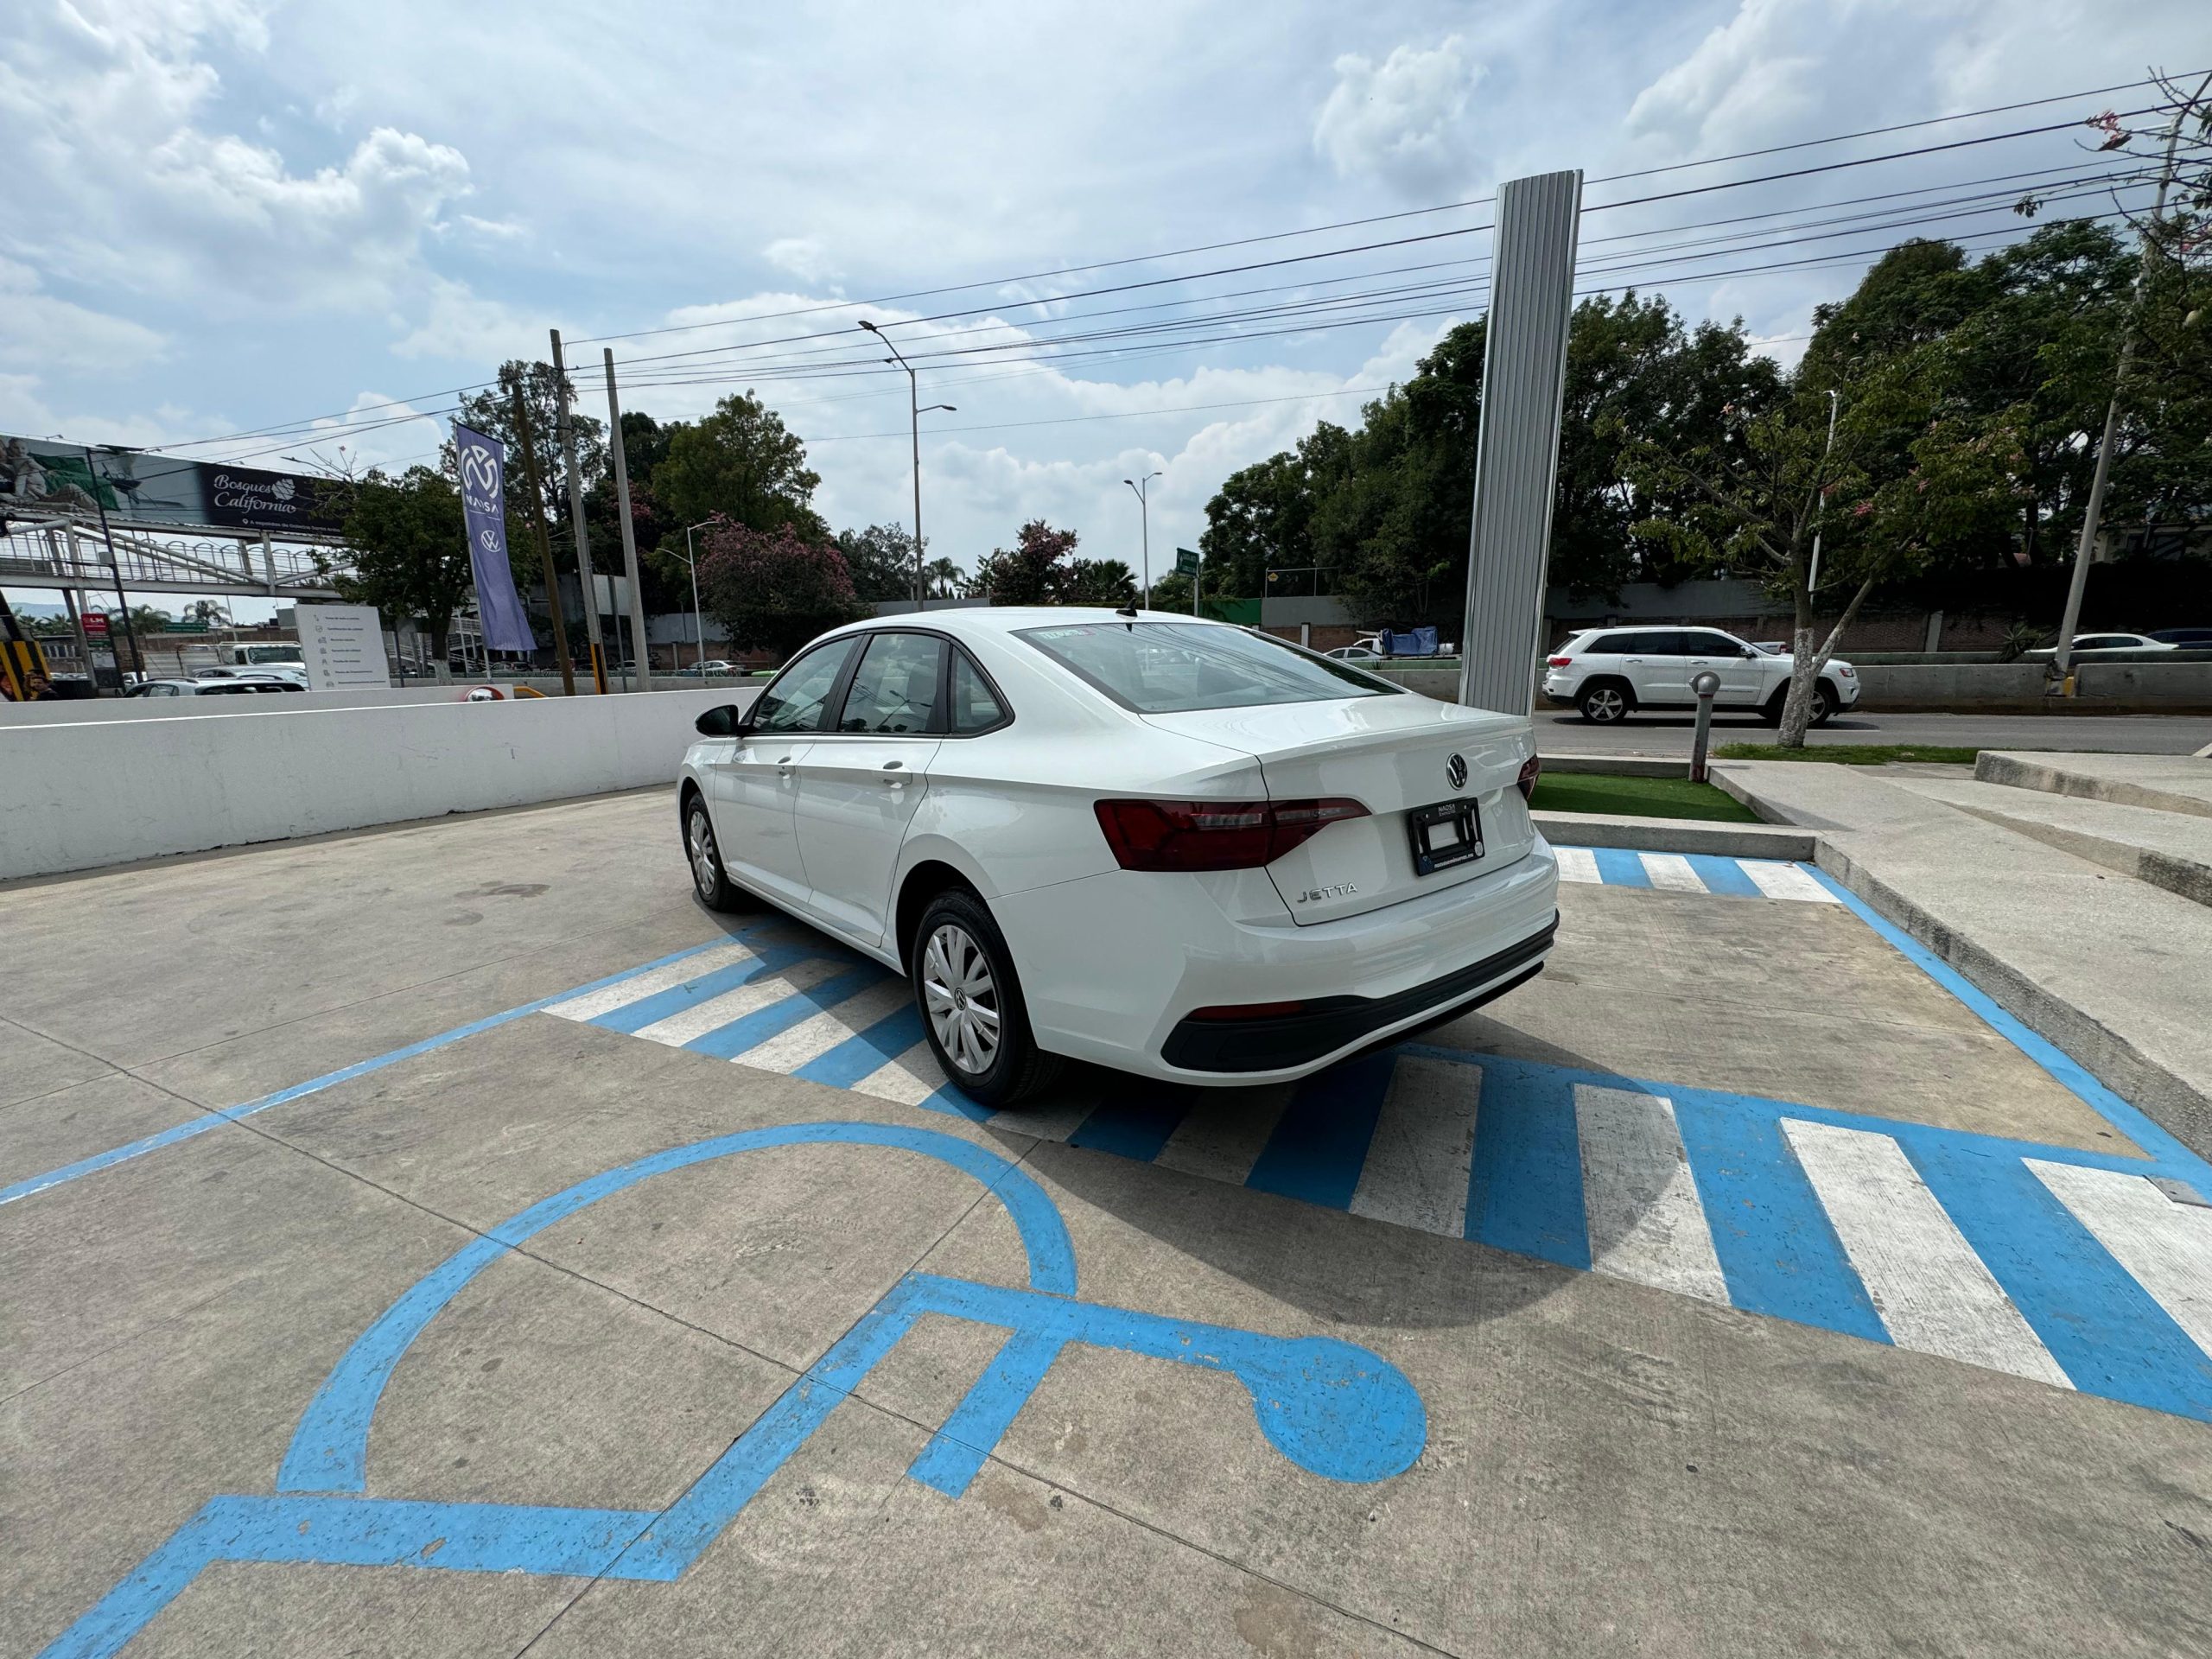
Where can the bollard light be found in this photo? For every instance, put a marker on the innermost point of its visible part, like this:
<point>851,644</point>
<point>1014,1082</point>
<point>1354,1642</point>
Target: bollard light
<point>1706,684</point>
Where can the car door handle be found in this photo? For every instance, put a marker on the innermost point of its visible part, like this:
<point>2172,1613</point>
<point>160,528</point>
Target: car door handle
<point>894,783</point>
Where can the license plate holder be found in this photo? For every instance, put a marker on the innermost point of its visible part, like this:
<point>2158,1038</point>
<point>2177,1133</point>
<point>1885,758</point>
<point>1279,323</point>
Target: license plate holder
<point>1448,833</point>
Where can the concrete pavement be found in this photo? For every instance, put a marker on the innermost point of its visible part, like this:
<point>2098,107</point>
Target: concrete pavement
<point>1562,731</point>
<point>1627,1459</point>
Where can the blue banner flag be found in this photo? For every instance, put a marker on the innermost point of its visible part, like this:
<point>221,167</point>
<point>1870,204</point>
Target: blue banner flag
<point>483,464</point>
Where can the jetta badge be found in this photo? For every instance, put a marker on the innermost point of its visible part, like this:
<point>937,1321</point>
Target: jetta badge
<point>1455,771</point>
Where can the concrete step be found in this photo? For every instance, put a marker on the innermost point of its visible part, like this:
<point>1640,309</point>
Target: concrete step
<point>2171,850</point>
<point>2118,973</point>
<point>2165,782</point>
<point>1675,835</point>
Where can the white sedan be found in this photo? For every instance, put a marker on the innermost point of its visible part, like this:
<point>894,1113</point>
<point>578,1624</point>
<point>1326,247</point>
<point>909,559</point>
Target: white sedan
<point>1174,847</point>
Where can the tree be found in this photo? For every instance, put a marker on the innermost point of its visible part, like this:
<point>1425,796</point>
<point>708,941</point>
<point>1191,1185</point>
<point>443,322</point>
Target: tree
<point>882,559</point>
<point>740,462</point>
<point>410,550</point>
<point>1098,582</point>
<point>944,578</point>
<point>1033,571</point>
<point>145,618</point>
<point>204,610</point>
<point>776,589</point>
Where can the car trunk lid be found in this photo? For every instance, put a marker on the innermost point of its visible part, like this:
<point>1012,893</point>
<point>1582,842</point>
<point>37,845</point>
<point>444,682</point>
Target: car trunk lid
<point>1393,755</point>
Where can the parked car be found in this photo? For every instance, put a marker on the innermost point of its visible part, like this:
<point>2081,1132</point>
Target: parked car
<point>1359,656</point>
<point>714,665</point>
<point>2135,642</point>
<point>1608,674</point>
<point>1177,847</point>
<point>239,687</point>
<point>296,674</point>
<point>2183,638</point>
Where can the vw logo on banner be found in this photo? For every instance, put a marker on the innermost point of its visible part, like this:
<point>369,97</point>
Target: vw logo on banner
<point>482,463</point>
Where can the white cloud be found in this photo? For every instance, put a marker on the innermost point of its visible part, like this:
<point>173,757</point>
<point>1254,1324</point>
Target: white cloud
<point>802,256</point>
<point>115,97</point>
<point>36,328</point>
<point>459,325</point>
<point>1402,122</point>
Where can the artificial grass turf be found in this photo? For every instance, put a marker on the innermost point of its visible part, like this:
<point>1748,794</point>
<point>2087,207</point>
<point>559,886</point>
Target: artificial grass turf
<point>1642,797</point>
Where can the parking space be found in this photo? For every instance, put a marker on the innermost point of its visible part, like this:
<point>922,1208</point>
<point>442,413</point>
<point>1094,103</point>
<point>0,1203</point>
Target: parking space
<point>598,1274</point>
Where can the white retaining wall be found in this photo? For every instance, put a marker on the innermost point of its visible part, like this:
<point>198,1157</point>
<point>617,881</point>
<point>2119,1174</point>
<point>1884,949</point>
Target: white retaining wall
<point>82,794</point>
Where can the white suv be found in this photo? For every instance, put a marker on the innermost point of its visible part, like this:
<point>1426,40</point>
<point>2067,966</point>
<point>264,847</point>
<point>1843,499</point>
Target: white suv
<point>1610,673</point>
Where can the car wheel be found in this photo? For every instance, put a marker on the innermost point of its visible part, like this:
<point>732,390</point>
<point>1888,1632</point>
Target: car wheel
<point>1823,705</point>
<point>1603,705</point>
<point>708,880</point>
<point>971,1006</point>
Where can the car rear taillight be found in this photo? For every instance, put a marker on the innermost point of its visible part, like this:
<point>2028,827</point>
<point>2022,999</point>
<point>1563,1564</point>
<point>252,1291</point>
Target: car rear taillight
<point>1560,661</point>
<point>1531,769</point>
<point>1214,834</point>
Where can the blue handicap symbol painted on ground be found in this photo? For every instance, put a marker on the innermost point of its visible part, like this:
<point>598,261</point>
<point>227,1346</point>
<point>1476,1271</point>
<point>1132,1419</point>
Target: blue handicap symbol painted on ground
<point>1329,1407</point>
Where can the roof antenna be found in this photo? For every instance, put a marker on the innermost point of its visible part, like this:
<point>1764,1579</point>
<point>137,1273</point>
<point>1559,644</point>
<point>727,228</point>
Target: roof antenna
<point>1129,610</point>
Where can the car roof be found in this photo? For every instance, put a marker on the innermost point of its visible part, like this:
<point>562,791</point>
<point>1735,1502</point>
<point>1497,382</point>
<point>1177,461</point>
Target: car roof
<point>983,621</point>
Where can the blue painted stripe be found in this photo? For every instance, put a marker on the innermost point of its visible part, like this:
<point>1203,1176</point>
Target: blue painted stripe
<point>2105,1330</point>
<point>1320,1143</point>
<point>1524,1187</point>
<point>2069,1073</point>
<point>868,1051</point>
<point>771,959</point>
<point>1137,1125</point>
<point>218,1116</point>
<point>1620,868</point>
<point>950,1101</point>
<point>734,1038</point>
<point>956,1451</point>
<point>1779,1251</point>
<point>1723,875</point>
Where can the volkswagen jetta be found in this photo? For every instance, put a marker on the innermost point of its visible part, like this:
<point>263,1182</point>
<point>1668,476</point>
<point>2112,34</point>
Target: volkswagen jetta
<point>1170,846</point>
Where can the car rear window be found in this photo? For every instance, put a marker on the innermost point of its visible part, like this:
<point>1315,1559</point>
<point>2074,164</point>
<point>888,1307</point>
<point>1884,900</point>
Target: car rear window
<point>1161,668</point>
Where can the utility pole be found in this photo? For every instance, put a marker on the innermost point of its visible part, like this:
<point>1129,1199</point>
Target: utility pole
<point>544,543</point>
<point>1144,509</point>
<point>115,569</point>
<point>698,622</point>
<point>629,531</point>
<point>914,413</point>
<point>576,518</point>
<point>2062,662</point>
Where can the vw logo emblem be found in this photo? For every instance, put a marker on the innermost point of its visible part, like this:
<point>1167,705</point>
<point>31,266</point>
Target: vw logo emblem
<point>1455,771</point>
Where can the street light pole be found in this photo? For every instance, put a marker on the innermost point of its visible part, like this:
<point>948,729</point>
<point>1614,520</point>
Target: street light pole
<point>1144,509</point>
<point>698,627</point>
<point>914,413</point>
<point>1821,507</point>
<point>115,569</point>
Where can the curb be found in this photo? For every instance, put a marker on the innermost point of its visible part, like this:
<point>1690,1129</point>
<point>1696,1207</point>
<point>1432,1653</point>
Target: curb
<point>1620,765</point>
<point>1676,835</point>
<point>2169,1101</point>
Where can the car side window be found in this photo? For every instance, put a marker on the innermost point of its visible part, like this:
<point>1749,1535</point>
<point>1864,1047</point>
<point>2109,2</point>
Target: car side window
<point>1608,644</point>
<point>1633,644</point>
<point>975,705</point>
<point>894,689</point>
<point>1710,644</point>
<point>797,699</point>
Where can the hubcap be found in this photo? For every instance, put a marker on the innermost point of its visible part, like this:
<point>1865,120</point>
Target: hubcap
<point>961,998</point>
<point>1606,704</point>
<point>703,869</point>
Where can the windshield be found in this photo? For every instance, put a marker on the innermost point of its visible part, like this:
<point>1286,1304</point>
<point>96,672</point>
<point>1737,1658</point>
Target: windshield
<point>274,654</point>
<point>1161,668</point>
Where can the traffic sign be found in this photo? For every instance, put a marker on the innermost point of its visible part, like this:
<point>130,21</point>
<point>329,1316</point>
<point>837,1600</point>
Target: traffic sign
<point>1186,563</point>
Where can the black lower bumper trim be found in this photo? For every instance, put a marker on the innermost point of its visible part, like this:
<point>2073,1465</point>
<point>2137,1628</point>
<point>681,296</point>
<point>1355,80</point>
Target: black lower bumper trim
<point>1335,1022</point>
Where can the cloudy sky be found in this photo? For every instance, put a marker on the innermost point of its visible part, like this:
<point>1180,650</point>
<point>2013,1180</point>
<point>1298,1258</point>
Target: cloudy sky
<point>226,215</point>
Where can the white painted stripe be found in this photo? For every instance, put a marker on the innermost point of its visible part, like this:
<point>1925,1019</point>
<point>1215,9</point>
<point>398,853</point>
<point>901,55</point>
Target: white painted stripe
<point>1221,1137</point>
<point>1639,1197</point>
<point>716,1012</point>
<point>1576,863</point>
<point>1930,1288</point>
<point>910,1079</point>
<point>1672,872</point>
<point>1416,1169</point>
<point>2166,1246</point>
<point>607,998</point>
<point>1779,881</point>
<point>1054,1119</point>
<point>812,1038</point>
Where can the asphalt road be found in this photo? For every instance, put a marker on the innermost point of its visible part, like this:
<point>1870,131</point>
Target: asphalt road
<point>1561,731</point>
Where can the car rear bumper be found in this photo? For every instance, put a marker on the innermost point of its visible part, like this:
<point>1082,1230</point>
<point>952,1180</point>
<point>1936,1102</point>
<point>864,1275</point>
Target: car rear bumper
<point>1113,965</point>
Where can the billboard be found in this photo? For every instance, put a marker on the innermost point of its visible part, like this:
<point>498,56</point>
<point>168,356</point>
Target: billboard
<point>139,486</point>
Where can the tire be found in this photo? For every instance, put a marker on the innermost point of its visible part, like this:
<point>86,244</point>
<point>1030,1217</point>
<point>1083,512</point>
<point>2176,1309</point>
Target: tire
<point>1772,713</point>
<point>1823,706</point>
<point>704,855</point>
<point>1606,703</point>
<point>964,978</point>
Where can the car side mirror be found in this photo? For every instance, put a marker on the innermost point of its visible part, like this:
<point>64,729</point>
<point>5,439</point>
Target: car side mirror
<point>727,720</point>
